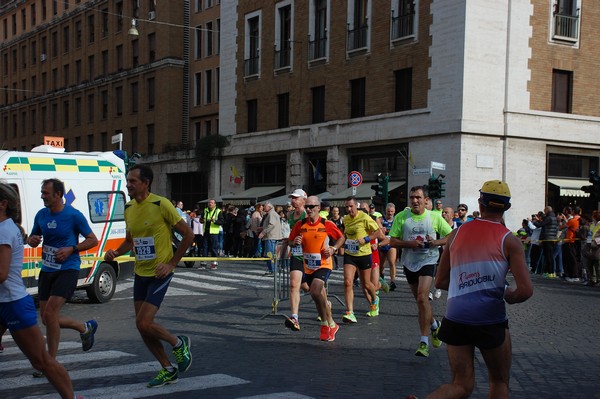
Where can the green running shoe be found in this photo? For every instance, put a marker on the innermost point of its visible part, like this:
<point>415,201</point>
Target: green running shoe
<point>384,285</point>
<point>349,317</point>
<point>183,355</point>
<point>435,341</point>
<point>423,350</point>
<point>163,377</point>
<point>374,310</point>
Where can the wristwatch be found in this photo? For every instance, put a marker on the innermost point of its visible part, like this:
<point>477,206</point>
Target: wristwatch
<point>75,250</point>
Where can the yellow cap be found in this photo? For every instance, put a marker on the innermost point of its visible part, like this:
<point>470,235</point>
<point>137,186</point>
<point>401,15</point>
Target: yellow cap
<point>496,194</point>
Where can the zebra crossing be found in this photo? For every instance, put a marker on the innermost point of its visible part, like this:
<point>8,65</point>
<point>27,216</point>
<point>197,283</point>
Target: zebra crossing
<point>17,381</point>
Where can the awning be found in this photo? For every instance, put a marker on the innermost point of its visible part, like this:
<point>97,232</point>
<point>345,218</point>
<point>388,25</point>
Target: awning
<point>205,201</point>
<point>363,192</point>
<point>253,194</point>
<point>570,187</point>
<point>284,199</point>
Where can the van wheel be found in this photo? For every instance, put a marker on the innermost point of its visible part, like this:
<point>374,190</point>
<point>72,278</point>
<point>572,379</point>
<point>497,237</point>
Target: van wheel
<point>104,285</point>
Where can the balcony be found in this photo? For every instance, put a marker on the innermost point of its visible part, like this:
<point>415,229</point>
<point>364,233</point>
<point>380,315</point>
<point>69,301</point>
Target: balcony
<point>251,65</point>
<point>566,27</point>
<point>282,56</point>
<point>317,48</point>
<point>403,26</point>
<point>357,38</point>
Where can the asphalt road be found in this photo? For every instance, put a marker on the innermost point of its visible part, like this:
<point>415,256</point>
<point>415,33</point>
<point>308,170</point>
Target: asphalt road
<point>242,350</point>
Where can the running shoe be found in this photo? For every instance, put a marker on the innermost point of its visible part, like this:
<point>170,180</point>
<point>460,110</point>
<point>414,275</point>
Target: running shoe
<point>422,350</point>
<point>332,331</point>
<point>163,377</point>
<point>87,338</point>
<point>349,317</point>
<point>430,296</point>
<point>438,294</point>
<point>384,285</point>
<point>214,266</point>
<point>37,374</point>
<point>374,310</point>
<point>392,286</point>
<point>292,323</point>
<point>324,335</point>
<point>182,353</point>
<point>435,341</point>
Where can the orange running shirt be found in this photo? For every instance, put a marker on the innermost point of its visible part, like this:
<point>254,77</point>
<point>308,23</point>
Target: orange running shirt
<point>315,238</point>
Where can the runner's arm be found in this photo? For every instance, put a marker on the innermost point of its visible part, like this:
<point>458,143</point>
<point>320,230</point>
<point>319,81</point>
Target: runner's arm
<point>442,274</point>
<point>518,266</point>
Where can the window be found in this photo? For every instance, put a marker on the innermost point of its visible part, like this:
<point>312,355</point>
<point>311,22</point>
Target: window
<point>209,38</point>
<point>91,68</point>
<point>90,138</point>
<point>403,18</point>
<point>357,97</point>
<point>218,36</point>
<point>318,104</point>
<point>78,143</point>
<point>104,31</point>
<point>150,139</point>
<point>77,111</point>
<point>151,47</point>
<point>66,73</point>
<point>134,53</point>
<point>562,91</point>
<point>24,19</point>
<point>90,108</point>
<point>283,110</point>
<point>103,202</point>
<point>217,80</point>
<point>105,63</point>
<point>119,12</point>
<point>103,141</point>
<point>91,27</point>
<point>252,45</point>
<point>33,15</point>
<point>66,114</point>
<point>78,72</point>
<point>54,7</point>
<point>283,42</point>
<point>403,89</point>
<point>208,86</point>
<point>198,47</point>
<point>23,123</point>
<point>266,171</point>
<point>24,57</point>
<point>119,100</point>
<point>134,139</point>
<point>358,23</point>
<point>66,39</point>
<point>43,120</point>
<point>54,79</point>
<point>207,128</point>
<point>197,88</point>
<point>44,10</point>
<point>317,45</point>
<point>151,93</point>
<point>104,96</point>
<point>134,97</point>
<point>119,51</point>
<point>54,38</point>
<point>33,53</point>
<point>54,116</point>
<point>252,107</point>
<point>566,20</point>
<point>33,121</point>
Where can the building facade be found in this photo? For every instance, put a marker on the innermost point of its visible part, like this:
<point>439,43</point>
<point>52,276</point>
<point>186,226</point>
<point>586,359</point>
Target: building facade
<point>305,92</point>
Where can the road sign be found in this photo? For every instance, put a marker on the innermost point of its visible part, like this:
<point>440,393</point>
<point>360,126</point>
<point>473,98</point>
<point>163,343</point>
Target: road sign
<point>355,178</point>
<point>438,165</point>
<point>117,138</point>
<point>420,172</point>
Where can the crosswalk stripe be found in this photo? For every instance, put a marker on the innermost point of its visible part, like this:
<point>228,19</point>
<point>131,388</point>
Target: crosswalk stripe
<point>126,369</point>
<point>140,390</point>
<point>11,350</point>
<point>82,357</point>
<point>223,279</point>
<point>122,286</point>
<point>277,395</point>
<point>202,285</point>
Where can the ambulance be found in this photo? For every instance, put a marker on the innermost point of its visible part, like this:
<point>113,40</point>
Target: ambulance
<point>95,185</point>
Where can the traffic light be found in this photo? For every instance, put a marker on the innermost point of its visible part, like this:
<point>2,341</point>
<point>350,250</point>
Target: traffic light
<point>381,189</point>
<point>594,189</point>
<point>442,183</point>
<point>435,186</point>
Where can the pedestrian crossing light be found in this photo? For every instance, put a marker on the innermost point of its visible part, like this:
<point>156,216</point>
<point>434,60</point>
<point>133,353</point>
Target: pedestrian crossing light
<point>380,189</point>
<point>435,186</point>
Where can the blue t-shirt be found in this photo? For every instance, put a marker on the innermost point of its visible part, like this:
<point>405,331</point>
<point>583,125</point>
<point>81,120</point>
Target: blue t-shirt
<point>60,230</point>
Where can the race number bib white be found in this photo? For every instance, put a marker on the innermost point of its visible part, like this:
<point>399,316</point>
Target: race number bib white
<point>312,261</point>
<point>351,246</point>
<point>421,238</point>
<point>49,257</point>
<point>297,251</point>
<point>144,248</point>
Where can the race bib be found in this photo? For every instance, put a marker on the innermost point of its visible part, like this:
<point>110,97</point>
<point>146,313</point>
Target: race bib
<point>351,246</point>
<point>144,248</point>
<point>312,261</point>
<point>49,257</point>
<point>297,251</point>
<point>420,238</point>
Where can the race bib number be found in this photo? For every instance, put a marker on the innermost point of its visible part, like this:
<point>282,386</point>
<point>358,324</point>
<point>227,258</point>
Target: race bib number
<point>312,261</point>
<point>351,246</point>
<point>297,251</point>
<point>144,248</point>
<point>420,238</point>
<point>49,257</point>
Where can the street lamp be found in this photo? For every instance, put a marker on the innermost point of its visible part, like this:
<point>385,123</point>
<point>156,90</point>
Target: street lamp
<point>133,30</point>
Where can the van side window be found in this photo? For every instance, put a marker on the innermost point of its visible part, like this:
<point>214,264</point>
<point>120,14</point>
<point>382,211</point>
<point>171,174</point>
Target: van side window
<point>106,206</point>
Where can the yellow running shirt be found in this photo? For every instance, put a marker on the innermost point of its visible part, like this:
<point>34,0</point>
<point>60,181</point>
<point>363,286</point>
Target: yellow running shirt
<point>357,227</point>
<point>149,223</point>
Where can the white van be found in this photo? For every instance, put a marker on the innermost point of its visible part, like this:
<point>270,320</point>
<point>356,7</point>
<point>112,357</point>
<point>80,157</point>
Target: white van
<point>95,185</point>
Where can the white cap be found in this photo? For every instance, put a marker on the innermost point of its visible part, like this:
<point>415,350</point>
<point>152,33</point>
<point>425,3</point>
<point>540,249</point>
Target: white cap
<point>298,193</point>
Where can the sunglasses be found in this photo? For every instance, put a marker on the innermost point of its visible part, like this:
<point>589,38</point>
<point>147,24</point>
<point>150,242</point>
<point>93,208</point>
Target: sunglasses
<point>462,210</point>
<point>310,206</point>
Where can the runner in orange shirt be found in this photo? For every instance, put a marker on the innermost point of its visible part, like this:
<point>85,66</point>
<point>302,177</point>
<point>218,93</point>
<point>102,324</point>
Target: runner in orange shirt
<point>313,234</point>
